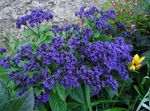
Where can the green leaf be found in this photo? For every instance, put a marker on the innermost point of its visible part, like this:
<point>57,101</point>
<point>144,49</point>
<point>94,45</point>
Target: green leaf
<point>116,109</point>
<point>67,91</point>
<point>105,101</point>
<point>78,95</point>
<point>73,105</point>
<point>38,91</point>
<point>4,92</point>
<point>61,91</point>
<point>42,39</point>
<point>146,54</point>
<point>54,89</point>
<point>44,28</point>
<point>145,79</point>
<point>41,108</point>
<point>148,66</point>
<point>56,103</point>
<point>96,34</point>
<point>3,74</point>
<point>29,32</point>
<point>143,102</point>
<point>126,99</point>
<point>11,85</point>
<point>89,22</point>
<point>102,38</point>
<point>111,93</point>
<point>23,103</point>
<point>137,90</point>
<point>49,36</point>
<point>117,0</point>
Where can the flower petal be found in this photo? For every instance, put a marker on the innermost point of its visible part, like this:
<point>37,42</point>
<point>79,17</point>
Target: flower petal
<point>136,57</point>
<point>141,59</point>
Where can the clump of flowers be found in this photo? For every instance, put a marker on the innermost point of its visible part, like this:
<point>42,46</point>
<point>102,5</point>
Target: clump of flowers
<point>101,21</point>
<point>53,62</point>
<point>34,18</point>
<point>2,50</point>
<point>71,60</point>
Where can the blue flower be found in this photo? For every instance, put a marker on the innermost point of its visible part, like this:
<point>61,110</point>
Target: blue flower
<point>42,98</point>
<point>111,13</point>
<point>80,13</point>
<point>87,33</point>
<point>74,42</point>
<point>5,62</point>
<point>121,26</point>
<point>2,50</point>
<point>34,18</point>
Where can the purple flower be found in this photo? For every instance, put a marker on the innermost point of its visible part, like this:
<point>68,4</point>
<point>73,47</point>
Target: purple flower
<point>56,29</point>
<point>80,13</point>
<point>22,21</point>
<point>87,33</point>
<point>70,81</point>
<point>49,83</point>
<point>42,98</point>
<point>74,42</point>
<point>5,62</point>
<point>120,26</point>
<point>111,13</point>
<point>57,41</point>
<point>34,18</point>
<point>2,50</point>
<point>71,60</point>
<point>112,82</point>
<point>133,27</point>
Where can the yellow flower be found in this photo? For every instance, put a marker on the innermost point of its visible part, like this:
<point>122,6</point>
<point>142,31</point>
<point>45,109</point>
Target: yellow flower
<point>136,62</point>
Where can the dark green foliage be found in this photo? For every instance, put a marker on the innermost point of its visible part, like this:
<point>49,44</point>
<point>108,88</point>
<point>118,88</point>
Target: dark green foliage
<point>23,103</point>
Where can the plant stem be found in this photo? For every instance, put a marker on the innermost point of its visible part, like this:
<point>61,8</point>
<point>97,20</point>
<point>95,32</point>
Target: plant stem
<point>38,27</point>
<point>88,97</point>
<point>84,107</point>
<point>31,29</point>
<point>120,92</point>
<point>134,103</point>
<point>102,98</point>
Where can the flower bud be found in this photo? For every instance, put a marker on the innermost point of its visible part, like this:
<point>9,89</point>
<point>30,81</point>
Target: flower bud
<point>133,27</point>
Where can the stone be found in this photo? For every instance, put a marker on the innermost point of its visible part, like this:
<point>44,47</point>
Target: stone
<point>63,10</point>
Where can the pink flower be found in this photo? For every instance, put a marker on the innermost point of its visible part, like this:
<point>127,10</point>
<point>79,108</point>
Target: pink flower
<point>114,3</point>
<point>133,27</point>
<point>122,10</point>
<point>135,3</point>
<point>130,13</point>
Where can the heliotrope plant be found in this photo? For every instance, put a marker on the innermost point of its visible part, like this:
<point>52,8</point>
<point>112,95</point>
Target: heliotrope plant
<point>92,63</point>
<point>74,56</point>
<point>103,22</point>
<point>34,18</point>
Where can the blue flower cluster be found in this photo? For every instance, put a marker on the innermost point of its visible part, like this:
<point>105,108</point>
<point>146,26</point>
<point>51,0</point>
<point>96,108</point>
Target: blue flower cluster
<point>71,59</point>
<point>102,21</point>
<point>79,60</point>
<point>5,62</point>
<point>121,26</point>
<point>2,50</point>
<point>34,18</point>
<point>100,59</point>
